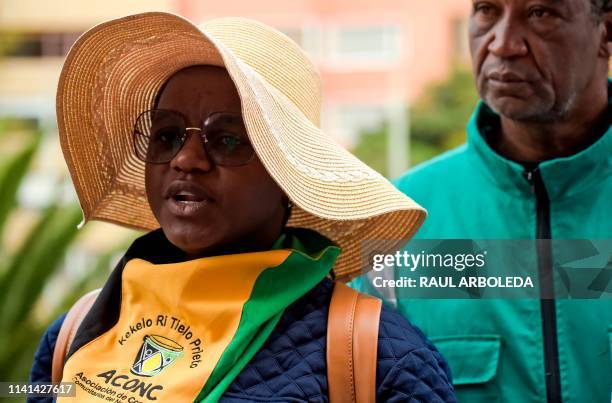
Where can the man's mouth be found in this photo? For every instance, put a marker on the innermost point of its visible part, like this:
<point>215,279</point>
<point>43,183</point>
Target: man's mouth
<point>506,77</point>
<point>504,83</point>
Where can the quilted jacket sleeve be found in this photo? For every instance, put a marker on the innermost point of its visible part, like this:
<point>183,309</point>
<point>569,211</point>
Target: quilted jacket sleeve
<point>41,368</point>
<point>410,368</point>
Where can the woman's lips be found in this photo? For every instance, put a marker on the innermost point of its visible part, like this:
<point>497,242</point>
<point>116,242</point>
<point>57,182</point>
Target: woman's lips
<point>186,208</point>
<point>186,198</point>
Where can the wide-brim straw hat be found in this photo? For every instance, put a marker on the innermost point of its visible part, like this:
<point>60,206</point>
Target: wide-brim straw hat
<point>113,73</point>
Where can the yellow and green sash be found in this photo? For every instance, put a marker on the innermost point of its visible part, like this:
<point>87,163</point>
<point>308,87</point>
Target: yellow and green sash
<point>183,331</point>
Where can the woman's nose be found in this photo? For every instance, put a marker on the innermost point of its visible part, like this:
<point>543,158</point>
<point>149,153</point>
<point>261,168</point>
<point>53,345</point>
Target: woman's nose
<point>192,156</point>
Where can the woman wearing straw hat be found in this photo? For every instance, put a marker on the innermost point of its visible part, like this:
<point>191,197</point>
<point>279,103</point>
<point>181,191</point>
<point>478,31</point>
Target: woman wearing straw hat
<point>212,133</point>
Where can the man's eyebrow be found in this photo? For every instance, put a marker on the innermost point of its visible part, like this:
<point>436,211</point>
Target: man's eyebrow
<point>566,7</point>
<point>556,2</point>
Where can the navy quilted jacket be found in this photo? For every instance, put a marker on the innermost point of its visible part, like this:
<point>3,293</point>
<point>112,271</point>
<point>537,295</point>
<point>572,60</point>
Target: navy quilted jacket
<point>290,367</point>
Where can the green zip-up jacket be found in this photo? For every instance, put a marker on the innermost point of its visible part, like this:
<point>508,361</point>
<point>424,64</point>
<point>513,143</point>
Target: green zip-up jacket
<point>496,348</point>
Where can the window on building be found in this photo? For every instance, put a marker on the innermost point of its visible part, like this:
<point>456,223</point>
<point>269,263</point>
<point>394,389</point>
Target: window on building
<point>20,44</point>
<point>381,43</point>
<point>350,121</point>
<point>308,38</point>
<point>37,44</point>
<point>461,47</point>
<point>294,33</point>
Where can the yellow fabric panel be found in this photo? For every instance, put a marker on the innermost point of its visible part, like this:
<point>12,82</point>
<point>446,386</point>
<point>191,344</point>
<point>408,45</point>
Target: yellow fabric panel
<point>175,322</point>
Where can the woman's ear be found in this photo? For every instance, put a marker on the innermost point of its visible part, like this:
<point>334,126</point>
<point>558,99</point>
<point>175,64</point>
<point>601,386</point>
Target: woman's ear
<point>287,204</point>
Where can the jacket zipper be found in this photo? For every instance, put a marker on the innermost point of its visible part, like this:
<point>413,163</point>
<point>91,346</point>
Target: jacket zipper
<point>547,291</point>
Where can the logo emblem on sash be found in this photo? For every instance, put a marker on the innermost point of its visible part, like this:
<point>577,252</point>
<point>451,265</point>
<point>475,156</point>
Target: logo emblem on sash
<point>155,354</point>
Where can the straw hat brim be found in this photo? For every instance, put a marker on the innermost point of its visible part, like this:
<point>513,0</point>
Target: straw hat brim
<point>113,73</point>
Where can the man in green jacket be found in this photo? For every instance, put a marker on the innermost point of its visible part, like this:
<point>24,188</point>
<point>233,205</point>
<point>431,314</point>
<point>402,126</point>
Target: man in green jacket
<point>537,165</point>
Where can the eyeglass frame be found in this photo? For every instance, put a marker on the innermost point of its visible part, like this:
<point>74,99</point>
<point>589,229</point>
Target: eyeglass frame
<point>185,136</point>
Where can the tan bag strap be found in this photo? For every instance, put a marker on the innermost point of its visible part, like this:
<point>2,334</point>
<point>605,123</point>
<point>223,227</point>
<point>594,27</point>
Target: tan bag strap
<point>71,323</point>
<point>352,344</point>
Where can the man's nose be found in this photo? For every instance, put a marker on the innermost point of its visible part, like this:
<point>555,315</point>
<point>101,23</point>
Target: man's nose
<point>192,156</point>
<point>508,39</point>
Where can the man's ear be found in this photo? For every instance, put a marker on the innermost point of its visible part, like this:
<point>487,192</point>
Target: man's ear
<point>605,50</point>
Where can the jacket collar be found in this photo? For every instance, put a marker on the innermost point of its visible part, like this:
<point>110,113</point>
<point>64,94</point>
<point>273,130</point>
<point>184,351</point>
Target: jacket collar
<point>562,176</point>
<point>155,248</point>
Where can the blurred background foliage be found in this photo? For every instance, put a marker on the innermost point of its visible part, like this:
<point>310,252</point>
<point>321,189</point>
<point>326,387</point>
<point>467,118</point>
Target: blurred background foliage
<point>35,256</point>
<point>36,259</point>
<point>437,122</point>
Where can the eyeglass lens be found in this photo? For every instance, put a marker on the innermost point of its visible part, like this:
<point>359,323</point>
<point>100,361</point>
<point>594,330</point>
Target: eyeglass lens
<point>159,135</point>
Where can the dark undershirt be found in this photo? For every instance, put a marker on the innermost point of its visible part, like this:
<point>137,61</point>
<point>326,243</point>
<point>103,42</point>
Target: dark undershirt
<point>489,125</point>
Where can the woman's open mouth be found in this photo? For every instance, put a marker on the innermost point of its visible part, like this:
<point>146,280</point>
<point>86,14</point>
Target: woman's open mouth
<point>186,199</point>
<point>184,207</point>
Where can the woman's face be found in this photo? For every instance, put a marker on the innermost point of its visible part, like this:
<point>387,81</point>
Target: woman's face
<point>204,207</point>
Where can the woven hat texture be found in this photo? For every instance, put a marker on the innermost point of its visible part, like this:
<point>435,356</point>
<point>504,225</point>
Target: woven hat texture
<point>113,73</point>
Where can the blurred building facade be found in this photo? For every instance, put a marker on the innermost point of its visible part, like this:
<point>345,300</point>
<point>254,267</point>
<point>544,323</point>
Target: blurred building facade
<point>35,37</point>
<point>371,54</point>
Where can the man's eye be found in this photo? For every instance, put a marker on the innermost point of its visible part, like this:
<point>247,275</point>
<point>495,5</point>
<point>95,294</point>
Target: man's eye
<point>484,9</point>
<point>539,12</point>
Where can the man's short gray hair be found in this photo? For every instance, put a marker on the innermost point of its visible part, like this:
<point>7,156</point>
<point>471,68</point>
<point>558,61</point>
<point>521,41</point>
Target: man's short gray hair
<point>600,7</point>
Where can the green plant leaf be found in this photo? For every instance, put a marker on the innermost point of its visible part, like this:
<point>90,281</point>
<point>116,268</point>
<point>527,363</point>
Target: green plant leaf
<point>36,261</point>
<point>12,172</point>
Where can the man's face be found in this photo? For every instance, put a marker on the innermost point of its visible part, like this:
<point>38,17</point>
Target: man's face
<point>534,59</point>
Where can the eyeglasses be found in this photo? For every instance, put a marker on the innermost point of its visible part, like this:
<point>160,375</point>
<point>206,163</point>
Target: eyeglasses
<point>159,135</point>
